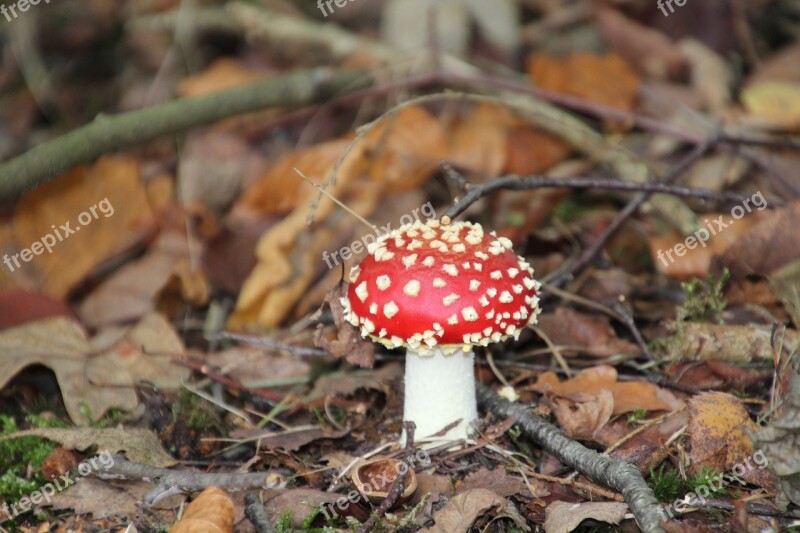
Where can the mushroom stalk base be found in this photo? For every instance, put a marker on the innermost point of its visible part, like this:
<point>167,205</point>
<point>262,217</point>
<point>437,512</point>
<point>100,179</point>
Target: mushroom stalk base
<point>440,389</point>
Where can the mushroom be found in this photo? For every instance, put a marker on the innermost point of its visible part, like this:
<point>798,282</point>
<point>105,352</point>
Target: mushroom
<point>438,290</point>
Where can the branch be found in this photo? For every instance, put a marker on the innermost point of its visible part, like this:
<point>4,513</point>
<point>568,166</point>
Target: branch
<point>255,512</point>
<point>171,482</point>
<point>523,183</point>
<point>110,133</point>
<point>618,475</point>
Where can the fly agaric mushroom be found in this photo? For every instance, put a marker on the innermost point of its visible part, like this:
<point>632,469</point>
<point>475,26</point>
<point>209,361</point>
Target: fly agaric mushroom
<point>438,290</point>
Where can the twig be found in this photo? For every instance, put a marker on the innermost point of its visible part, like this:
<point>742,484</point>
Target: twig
<point>254,509</point>
<point>522,183</point>
<point>621,476</point>
<point>589,254</point>
<point>397,486</point>
<point>110,133</point>
<point>171,482</point>
<point>627,319</point>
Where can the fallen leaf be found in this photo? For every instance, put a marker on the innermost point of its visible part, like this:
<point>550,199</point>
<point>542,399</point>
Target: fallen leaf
<point>588,334</point>
<point>210,512</point>
<point>520,159</point>
<point>778,443</point>
<point>249,365</point>
<point>767,246</point>
<point>299,503</point>
<point>477,142</point>
<point>347,384</point>
<point>697,261</point>
<point>605,80</point>
<point>463,510</point>
<point>90,214</point>
<point>582,416</point>
<point>501,483</point>
<point>130,292</point>
<point>349,343</point>
<point>719,426</point>
<point>120,358</point>
<point>563,517</point>
<point>106,498</point>
<point>139,445</point>
<point>776,102</point>
<point>18,307</point>
<point>628,396</point>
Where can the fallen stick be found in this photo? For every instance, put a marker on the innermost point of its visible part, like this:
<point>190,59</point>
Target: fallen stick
<point>172,482</point>
<point>621,476</point>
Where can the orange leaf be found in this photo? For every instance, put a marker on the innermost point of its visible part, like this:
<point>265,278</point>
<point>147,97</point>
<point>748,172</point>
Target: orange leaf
<point>404,149</point>
<point>104,206</point>
<point>628,396</point>
<point>605,80</point>
<point>211,512</point>
<point>478,141</point>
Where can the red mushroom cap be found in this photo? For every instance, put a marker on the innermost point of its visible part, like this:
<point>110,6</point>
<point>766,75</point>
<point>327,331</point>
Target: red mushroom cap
<point>448,286</point>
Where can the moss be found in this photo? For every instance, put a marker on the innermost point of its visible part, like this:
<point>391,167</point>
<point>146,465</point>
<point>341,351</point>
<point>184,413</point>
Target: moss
<point>198,413</point>
<point>704,299</point>
<point>636,416</point>
<point>18,456</point>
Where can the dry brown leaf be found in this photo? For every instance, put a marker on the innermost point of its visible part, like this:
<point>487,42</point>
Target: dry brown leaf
<point>222,74</point>
<point>404,149</point>
<point>18,307</point>
<point>696,262</point>
<point>210,512</point>
<point>563,517</point>
<point>348,343</point>
<point>106,498</point>
<point>589,334</point>
<point>65,201</point>
<point>719,426</point>
<point>139,445</point>
<point>628,396</point>
<point>477,142</point>
<point>281,189</point>
<point>344,385</point>
<point>531,151</point>
<point>770,244</point>
<point>501,483</point>
<point>605,80</point>
<point>463,510</point>
<point>249,365</point>
<point>105,379</point>
<point>131,291</point>
<point>300,503</point>
<point>582,416</point>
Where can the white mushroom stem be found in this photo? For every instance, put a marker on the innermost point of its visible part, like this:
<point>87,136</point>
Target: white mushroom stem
<point>440,389</point>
